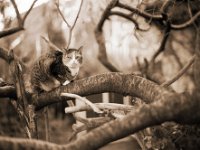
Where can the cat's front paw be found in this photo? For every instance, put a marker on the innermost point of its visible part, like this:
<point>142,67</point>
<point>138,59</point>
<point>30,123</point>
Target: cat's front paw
<point>66,82</point>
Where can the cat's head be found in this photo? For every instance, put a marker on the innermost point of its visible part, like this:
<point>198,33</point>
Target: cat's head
<point>72,58</point>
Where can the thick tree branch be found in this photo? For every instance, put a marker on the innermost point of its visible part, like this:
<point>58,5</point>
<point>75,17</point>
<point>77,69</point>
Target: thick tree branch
<point>102,56</point>
<point>19,144</point>
<point>102,52</point>
<point>125,84</point>
<point>170,107</point>
<point>163,42</point>
<point>105,15</point>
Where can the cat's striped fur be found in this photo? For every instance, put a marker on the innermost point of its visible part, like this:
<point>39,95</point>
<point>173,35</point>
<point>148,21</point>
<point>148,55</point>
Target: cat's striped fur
<point>54,69</point>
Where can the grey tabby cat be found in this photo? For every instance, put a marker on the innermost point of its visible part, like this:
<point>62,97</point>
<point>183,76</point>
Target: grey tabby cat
<point>54,69</point>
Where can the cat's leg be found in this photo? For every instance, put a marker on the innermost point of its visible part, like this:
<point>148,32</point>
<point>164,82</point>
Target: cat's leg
<point>66,82</point>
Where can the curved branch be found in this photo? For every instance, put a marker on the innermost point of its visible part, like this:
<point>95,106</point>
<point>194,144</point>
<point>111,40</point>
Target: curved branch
<point>102,106</point>
<point>20,20</point>
<point>170,108</point>
<point>20,143</point>
<point>128,17</point>
<point>125,84</point>
<point>180,73</point>
<point>105,15</point>
<point>187,23</point>
<point>140,12</point>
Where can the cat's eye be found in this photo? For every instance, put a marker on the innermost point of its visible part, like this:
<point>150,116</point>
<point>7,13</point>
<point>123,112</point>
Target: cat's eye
<point>78,57</point>
<point>69,57</point>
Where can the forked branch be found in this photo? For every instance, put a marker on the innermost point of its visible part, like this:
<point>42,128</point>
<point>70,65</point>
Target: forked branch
<point>21,20</point>
<point>71,27</point>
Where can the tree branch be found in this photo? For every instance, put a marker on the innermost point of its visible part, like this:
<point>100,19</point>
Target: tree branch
<point>125,84</point>
<point>128,17</point>
<point>86,101</point>
<point>171,107</point>
<point>102,106</point>
<point>163,42</point>
<point>71,27</point>
<point>180,73</point>
<point>21,21</point>
<point>140,12</point>
<point>19,144</point>
<point>187,23</point>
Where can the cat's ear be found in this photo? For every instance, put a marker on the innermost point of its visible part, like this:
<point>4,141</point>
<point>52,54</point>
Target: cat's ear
<point>80,49</point>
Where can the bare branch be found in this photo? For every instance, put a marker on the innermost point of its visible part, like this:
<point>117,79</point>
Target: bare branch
<point>128,17</point>
<point>20,143</point>
<point>180,73</point>
<point>187,23</point>
<point>86,101</point>
<point>102,106</point>
<point>17,13</point>
<point>16,71</point>
<point>91,123</point>
<point>163,42</point>
<point>105,15</point>
<point>21,21</point>
<point>108,82</point>
<point>10,31</point>
<point>61,14</point>
<point>23,117</point>
<point>102,56</point>
<point>79,10</point>
<point>4,54</point>
<point>71,27</point>
<point>140,12</point>
<point>51,45</point>
<point>144,116</point>
<point>29,10</point>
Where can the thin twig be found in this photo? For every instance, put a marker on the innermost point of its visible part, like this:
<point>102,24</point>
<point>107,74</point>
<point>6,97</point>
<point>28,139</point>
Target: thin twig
<point>164,40</point>
<point>29,10</point>
<point>51,45</point>
<point>17,12</point>
<point>180,73</point>
<point>187,23</point>
<point>71,27</point>
<point>105,15</point>
<point>94,108</point>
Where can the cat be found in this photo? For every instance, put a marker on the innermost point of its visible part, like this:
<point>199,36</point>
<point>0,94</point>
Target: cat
<point>54,69</point>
